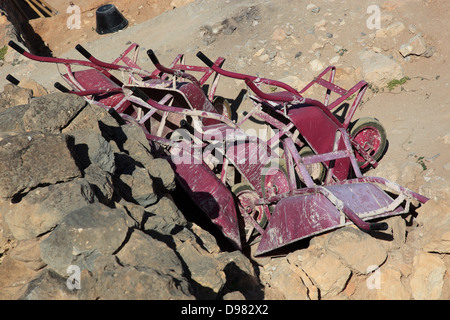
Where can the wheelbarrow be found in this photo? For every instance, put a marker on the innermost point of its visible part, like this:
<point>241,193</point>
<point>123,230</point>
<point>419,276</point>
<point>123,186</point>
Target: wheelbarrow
<point>275,211</point>
<point>367,135</point>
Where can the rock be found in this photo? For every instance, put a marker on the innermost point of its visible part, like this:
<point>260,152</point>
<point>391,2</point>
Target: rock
<point>334,60</point>
<point>434,218</point>
<point>11,119</point>
<point>136,186</point>
<point>392,30</point>
<point>316,65</point>
<point>101,182</point>
<point>357,249</point>
<point>163,217</point>
<point>427,279</point>
<point>42,209</point>
<point>391,286</point>
<point>320,24</point>
<point>415,46</point>
<point>111,281</point>
<point>264,58</point>
<point>49,286</point>
<point>279,34</point>
<point>283,276</point>
<point>14,278</point>
<point>313,8</point>
<point>259,52</point>
<point>30,160</point>
<point>29,253</point>
<point>204,269</point>
<point>379,69</point>
<point>240,275</point>
<point>82,236</point>
<point>326,271</point>
<point>315,46</point>
<point>294,82</point>
<point>141,250</point>
<point>136,145</point>
<point>14,96</point>
<point>397,228</point>
<point>51,113</point>
<point>162,175</point>
<point>37,89</point>
<point>235,295</point>
<point>92,148</point>
<point>97,119</point>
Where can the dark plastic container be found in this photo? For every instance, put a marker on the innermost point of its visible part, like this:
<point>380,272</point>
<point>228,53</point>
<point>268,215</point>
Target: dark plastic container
<point>109,19</point>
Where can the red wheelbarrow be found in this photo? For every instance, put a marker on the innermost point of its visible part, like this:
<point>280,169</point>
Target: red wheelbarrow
<point>274,209</point>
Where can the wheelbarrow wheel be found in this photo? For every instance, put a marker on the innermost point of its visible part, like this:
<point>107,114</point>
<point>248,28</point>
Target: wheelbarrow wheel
<point>371,136</point>
<point>316,170</point>
<point>222,106</point>
<point>246,196</point>
<point>274,178</point>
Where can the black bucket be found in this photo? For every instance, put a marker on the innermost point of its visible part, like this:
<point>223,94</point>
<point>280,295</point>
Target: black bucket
<point>109,19</point>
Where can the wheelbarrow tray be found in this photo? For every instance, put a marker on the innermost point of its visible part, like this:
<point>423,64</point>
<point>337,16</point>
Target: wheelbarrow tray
<point>320,209</point>
<point>210,195</point>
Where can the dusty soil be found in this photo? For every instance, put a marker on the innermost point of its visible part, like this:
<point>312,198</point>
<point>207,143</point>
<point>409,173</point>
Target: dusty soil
<point>415,114</point>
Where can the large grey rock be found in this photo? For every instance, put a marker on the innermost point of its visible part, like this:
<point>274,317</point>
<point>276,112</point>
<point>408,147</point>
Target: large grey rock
<point>52,112</point>
<point>112,281</point>
<point>134,182</point>
<point>11,119</point>
<point>204,269</point>
<point>30,160</point>
<point>141,250</point>
<point>49,286</point>
<point>42,209</point>
<point>101,182</point>
<point>83,235</point>
<point>92,148</point>
<point>163,217</point>
<point>162,174</point>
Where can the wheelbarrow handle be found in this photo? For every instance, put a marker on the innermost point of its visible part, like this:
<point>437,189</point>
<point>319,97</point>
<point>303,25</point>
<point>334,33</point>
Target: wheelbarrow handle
<point>153,57</point>
<point>205,59</point>
<point>379,226</point>
<point>12,79</point>
<point>140,94</point>
<point>61,88</point>
<point>16,47</point>
<point>184,124</point>
<point>83,51</point>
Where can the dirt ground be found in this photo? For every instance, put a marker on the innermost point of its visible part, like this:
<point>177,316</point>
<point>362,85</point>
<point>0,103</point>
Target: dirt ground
<point>415,114</point>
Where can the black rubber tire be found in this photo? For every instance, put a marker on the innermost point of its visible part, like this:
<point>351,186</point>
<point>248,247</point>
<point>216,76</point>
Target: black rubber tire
<point>368,123</point>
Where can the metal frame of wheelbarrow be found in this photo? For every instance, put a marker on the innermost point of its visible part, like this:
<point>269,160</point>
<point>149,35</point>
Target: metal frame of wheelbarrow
<point>283,102</point>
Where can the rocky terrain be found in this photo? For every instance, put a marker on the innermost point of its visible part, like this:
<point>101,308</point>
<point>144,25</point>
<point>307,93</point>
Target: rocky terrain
<point>79,192</point>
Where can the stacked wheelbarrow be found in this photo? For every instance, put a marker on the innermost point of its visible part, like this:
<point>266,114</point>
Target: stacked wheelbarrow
<point>253,194</point>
